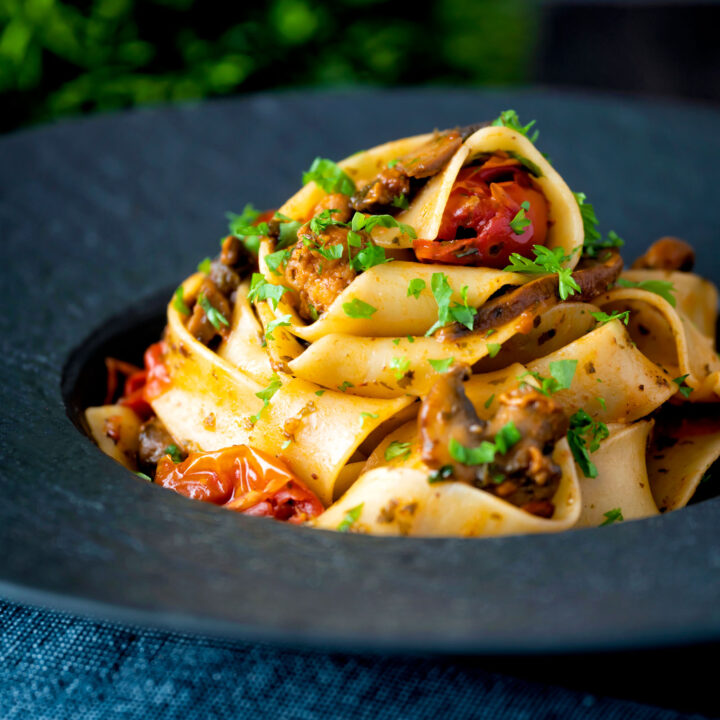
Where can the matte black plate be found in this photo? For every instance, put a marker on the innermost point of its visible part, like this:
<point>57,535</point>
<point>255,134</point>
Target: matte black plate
<point>98,215</point>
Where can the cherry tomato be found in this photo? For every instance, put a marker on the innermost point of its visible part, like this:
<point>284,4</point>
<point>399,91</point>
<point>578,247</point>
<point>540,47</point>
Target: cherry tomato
<point>244,479</point>
<point>475,227</point>
<point>143,386</point>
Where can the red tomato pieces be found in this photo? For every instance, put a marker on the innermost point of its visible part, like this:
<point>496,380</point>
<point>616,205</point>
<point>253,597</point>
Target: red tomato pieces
<point>141,386</point>
<point>475,227</point>
<point>244,479</point>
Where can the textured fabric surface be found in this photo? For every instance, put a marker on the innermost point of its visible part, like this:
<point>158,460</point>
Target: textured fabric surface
<point>58,666</point>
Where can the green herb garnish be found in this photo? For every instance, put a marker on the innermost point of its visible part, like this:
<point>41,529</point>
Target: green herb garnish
<point>603,318</point>
<point>546,261</point>
<point>329,176</point>
<point>443,365</point>
<point>447,311</point>
<point>358,309</point>
<point>683,388</point>
<point>179,302</point>
<point>397,449</point>
<point>261,289</point>
<point>415,287</point>
<point>584,437</point>
<point>399,366</point>
<point>266,395</point>
<point>216,318</point>
<point>350,518</point>
<point>510,119</point>
<point>660,287</point>
<point>280,321</point>
<point>612,516</point>
<point>174,452</point>
<point>521,222</point>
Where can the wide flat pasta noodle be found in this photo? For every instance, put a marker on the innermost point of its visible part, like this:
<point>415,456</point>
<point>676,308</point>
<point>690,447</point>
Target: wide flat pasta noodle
<point>677,461</point>
<point>367,362</point>
<point>609,367</point>
<point>670,339</point>
<point>622,480</point>
<point>210,403</point>
<point>385,288</point>
<point>401,501</point>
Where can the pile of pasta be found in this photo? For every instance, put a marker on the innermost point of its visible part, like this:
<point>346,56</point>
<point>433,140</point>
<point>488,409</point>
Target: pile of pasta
<point>336,397</point>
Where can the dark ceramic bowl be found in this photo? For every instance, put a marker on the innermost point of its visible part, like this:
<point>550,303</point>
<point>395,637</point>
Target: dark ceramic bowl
<point>100,218</point>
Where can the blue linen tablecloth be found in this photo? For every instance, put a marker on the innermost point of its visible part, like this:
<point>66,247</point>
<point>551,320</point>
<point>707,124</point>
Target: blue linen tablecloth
<point>59,666</point>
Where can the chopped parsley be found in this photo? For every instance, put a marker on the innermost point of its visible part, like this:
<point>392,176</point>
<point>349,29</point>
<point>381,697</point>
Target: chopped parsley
<point>345,385</point>
<point>546,261</point>
<point>660,287</point>
<point>358,309</point>
<point>330,252</point>
<point>397,449</point>
<point>393,163</point>
<point>280,321</point>
<point>370,256</point>
<point>276,260</point>
<point>399,366</point>
<point>322,221</point>
<point>493,349</point>
<point>561,377</point>
<point>329,176</point>
<point>372,416</point>
<point>449,312</point>
<point>287,233</point>
<point>521,222</point>
<point>179,301</point>
<point>510,119</point>
<point>204,266</point>
<point>603,318</point>
<point>261,289</point>
<point>442,365</point>
<point>350,518</point>
<point>143,476</point>
<point>601,402</point>
<point>401,201</point>
<point>286,444</point>
<point>489,401</point>
<point>367,223</point>
<point>584,437</point>
<point>243,226</point>
<point>683,388</point>
<point>593,241</point>
<point>216,318</point>
<point>485,453</point>
<point>319,393</point>
<point>174,452</point>
<point>266,395</point>
<point>612,516</point>
<point>415,287</point>
<point>442,473</point>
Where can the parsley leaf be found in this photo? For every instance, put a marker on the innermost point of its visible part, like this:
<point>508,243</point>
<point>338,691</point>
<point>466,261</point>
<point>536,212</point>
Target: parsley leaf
<point>603,318</point>
<point>281,321</point>
<point>660,287</point>
<point>397,449</point>
<point>350,518</point>
<point>448,312</point>
<point>683,388</point>
<point>329,176</point>
<point>143,476</point>
<point>204,266</point>
<point>261,289</point>
<point>368,257</point>
<point>612,516</point>
<point>287,233</point>
<point>361,221</point>
<point>372,416</point>
<point>242,226</point>
<point>276,259</point>
<point>322,221</point>
<point>401,201</point>
<point>489,401</point>
<point>358,309</point>
<point>508,436</point>
<point>442,473</point>
<point>546,261</point>
<point>319,393</point>
<point>266,395</point>
<point>174,452</point>
<point>330,252</point>
<point>561,377</point>
<point>345,385</point>
<point>216,318</point>
<point>415,287</point>
<point>593,241</point>
<point>493,349</point>
<point>442,365</point>
<point>510,119</point>
<point>179,301</point>
<point>399,366</point>
<point>521,222</point>
<point>584,437</point>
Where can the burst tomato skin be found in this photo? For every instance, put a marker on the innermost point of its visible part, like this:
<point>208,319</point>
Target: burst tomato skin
<point>145,385</point>
<point>243,479</point>
<point>482,203</point>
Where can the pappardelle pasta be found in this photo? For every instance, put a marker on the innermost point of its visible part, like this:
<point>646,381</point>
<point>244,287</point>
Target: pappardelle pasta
<point>432,337</point>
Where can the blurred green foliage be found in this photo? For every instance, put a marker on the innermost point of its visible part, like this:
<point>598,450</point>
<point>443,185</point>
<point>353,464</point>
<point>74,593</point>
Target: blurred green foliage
<point>62,58</point>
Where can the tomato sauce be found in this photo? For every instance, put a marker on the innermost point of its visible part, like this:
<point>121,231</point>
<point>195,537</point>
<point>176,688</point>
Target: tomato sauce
<point>476,225</point>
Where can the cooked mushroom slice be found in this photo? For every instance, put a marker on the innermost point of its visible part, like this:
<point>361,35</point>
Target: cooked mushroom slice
<point>667,253</point>
<point>594,276</point>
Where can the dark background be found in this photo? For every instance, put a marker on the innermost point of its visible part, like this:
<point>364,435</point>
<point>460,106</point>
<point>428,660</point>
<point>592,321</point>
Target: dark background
<point>61,58</point>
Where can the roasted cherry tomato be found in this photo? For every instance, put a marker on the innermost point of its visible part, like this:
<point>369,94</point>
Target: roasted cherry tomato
<point>244,479</point>
<point>143,386</point>
<point>475,227</point>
